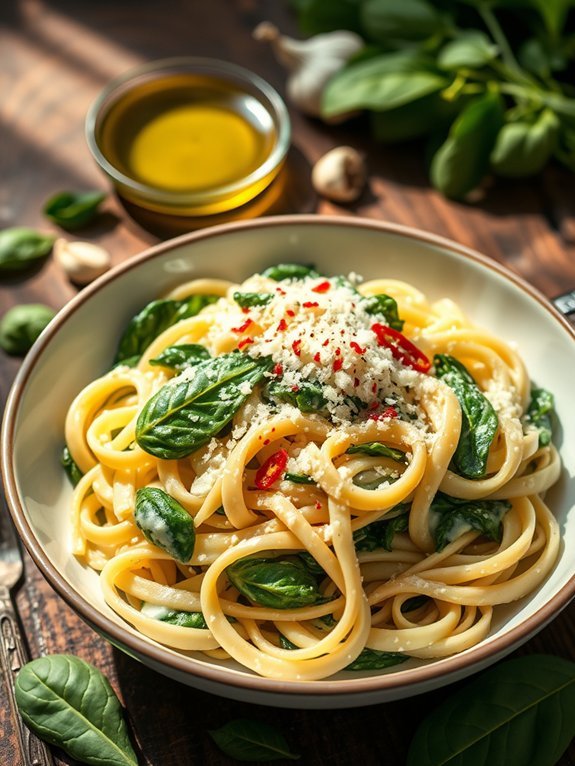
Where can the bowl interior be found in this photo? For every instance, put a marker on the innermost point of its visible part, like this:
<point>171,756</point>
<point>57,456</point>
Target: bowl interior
<point>80,345</point>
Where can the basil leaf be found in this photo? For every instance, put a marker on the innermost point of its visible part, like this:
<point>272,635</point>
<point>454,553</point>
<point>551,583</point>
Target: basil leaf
<point>20,247</point>
<point>380,534</point>
<point>452,517</point>
<point>519,713</point>
<point>69,703</point>
<point>153,319</point>
<point>298,478</point>
<point>289,271</point>
<point>413,20</point>
<point>377,449</point>
<point>72,210</point>
<point>165,523</point>
<point>275,583</point>
<point>385,306</point>
<point>184,414</point>
<point>540,412</point>
<point>479,419</point>
<point>21,326</point>
<point>247,300</point>
<point>384,82</point>
<point>308,398</point>
<point>252,741</point>
<point>373,659</point>
<point>181,357</point>
<point>71,468</point>
<point>470,50</point>
<point>523,148</point>
<point>463,159</point>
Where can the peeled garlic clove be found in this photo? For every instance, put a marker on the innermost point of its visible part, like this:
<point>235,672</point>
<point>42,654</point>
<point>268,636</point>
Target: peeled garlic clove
<point>82,261</point>
<point>340,175</point>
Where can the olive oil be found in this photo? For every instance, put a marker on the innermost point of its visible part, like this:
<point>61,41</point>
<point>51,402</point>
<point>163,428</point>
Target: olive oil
<point>191,134</point>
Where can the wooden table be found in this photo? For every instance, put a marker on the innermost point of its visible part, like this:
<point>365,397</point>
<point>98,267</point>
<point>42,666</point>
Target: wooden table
<point>55,55</point>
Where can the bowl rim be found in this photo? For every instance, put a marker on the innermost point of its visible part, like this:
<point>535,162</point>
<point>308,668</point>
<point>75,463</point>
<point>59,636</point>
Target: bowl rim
<point>445,668</point>
<point>221,70</point>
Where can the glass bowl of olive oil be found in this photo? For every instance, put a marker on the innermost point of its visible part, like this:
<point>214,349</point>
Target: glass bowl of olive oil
<point>189,136</point>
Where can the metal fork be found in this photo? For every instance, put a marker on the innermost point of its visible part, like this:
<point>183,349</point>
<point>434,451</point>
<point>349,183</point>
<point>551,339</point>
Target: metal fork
<point>13,650</point>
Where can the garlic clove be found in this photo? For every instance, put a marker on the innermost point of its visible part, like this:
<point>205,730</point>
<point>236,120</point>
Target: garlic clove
<point>82,261</point>
<point>340,175</point>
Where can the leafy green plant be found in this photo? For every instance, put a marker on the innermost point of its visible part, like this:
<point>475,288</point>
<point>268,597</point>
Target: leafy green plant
<point>21,325</point>
<point>451,517</point>
<point>165,523</point>
<point>184,414</point>
<point>20,247</point>
<point>518,713</point>
<point>181,357</point>
<point>72,210</point>
<point>488,81</point>
<point>275,583</point>
<point>479,421</point>
<point>253,741</point>
<point>69,703</point>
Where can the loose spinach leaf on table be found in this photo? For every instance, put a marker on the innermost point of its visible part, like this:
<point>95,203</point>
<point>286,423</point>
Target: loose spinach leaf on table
<point>153,319</point>
<point>275,583</point>
<point>479,419</point>
<point>380,534</point>
<point>72,210</point>
<point>247,300</point>
<point>71,468</point>
<point>182,356</point>
<point>452,517</point>
<point>70,704</point>
<point>165,523</point>
<point>377,449</point>
<point>252,741</point>
<point>184,414</point>
<point>20,247</point>
<point>518,713</point>
<point>384,306</point>
<point>539,414</point>
<point>289,271</point>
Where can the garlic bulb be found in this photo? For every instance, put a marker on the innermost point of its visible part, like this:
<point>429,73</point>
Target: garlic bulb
<point>82,261</point>
<point>340,175</point>
<point>311,62</point>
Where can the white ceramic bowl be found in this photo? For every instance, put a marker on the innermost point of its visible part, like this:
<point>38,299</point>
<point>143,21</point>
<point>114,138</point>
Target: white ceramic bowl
<point>79,345</point>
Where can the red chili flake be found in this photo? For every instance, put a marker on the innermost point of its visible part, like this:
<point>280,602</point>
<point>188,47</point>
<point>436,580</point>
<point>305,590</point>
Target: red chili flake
<point>374,405</point>
<point>245,310</point>
<point>282,325</point>
<point>317,358</point>
<point>290,313</point>
<point>338,352</point>
<point>272,470</point>
<point>318,505</point>
<point>295,389</point>
<point>401,347</point>
<point>338,364</point>
<point>323,287</point>
<point>278,369</point>
<point>243,327</point>
<point>373,388</point>
<point>388,412</point>
<point>310,304</point>
<point>245,342</point>
<point>266,442</point>
<point>355,382</point>
<point>325,343</point>
<point>280,291</point>
<point>296,347</point>
<point>357,348</point>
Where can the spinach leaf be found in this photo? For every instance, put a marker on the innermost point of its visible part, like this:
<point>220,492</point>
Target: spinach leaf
<point>20,247</point>
<point>251,741</point>
<point>182,356</point>
<point>22,325</point>
<point>69,703</point>
<point>412,20</point>
<point>289,271</point>
<point>524,147</point>
<point>184,414</point>
<point>285,643</point>
<point>452,517</point>
<point>186,619</point>
<point>308,398</point>
<point>377,449</point>
<point>311,564</point>
<point>471,50</point>
<point>153,319</point>
<point>72,470</point>
<point>414,119</point>
<point>371,479</point>
<point>275,583</point>
<point>298,478</point>
<point>462,160</point>
<point>165,523</point>
<point>380,534</point>
<point>247,300</point>
<point>520,710</point>
<point>373,659</point>
<point>540,412</point>
<point>385,306</point>
<point>72,210</point>
<point>479,419</point>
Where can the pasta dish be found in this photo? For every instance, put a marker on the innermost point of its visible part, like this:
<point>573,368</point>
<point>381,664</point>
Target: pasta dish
<point>311,474</point>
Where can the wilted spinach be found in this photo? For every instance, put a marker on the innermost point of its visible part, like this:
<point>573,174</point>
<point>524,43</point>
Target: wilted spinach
<point>298,478</point>
<point>377,449</point>
<point>373,659</point>
<point>181,356</point>
<point>384,306</point>
<point>289,271</point>
<point>165,523</point>
<point>247,300</point>
<point>380,534</point>
<point>308,397</point>
<point>451,517</point>
<point>275,583</point>
<point>70,467</point>
<point>539,414</point>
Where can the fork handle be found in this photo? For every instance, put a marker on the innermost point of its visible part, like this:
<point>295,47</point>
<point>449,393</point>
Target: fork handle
<point>13,655</point>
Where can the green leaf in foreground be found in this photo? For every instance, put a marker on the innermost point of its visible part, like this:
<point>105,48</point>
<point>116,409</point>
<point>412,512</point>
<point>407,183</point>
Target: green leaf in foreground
<point>519,713</point>
<point>70,703</point>
<point>472,49</point>
<point>72,210</point>
<point>252,741</point>
<point>20,247</point>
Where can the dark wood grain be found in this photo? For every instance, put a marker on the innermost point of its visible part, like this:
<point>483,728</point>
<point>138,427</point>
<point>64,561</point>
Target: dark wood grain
<point>55,55</point>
